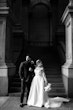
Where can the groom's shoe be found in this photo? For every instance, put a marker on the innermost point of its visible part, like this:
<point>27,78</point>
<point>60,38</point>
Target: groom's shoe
<point>21,105</point>
<point>42,105</point>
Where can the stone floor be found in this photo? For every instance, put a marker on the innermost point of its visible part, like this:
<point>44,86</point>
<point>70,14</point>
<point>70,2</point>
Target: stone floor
<point>12,103</point>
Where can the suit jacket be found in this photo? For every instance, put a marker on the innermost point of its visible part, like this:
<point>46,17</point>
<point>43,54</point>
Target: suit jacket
<point>25,72</point>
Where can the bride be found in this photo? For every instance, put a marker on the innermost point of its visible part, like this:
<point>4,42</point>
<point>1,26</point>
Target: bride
<point>38,96</point>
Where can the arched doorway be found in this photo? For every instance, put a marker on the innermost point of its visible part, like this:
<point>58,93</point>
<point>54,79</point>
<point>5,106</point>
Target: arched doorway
<point>39,25</point>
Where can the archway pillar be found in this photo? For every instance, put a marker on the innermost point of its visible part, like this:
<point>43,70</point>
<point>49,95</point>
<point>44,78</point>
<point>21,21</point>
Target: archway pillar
<point>7,68</point>
<point>67,68</point>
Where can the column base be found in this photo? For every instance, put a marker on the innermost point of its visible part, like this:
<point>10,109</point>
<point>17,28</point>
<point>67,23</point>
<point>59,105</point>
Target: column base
<point>67,71</point>
<point>6,73</point>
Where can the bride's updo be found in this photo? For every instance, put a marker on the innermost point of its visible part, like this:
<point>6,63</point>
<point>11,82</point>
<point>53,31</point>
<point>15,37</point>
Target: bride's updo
<point>39,63</point>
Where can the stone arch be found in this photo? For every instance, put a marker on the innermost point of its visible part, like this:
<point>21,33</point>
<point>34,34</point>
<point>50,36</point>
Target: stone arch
<point>40,3</point>
<point>39,23</point>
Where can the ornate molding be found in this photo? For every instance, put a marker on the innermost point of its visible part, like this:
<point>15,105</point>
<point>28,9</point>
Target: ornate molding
<point>70,2</point>
<point>34,2</point>
<point>4,10</point>
<point>17,28</point>
<point>68,11</point>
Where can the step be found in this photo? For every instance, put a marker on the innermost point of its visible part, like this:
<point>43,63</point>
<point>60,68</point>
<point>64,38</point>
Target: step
<point>57,84</point>
<point>50,80</point>
<point>47,72</point>
<point>53,92</point>
<point>47,75</point>
<point>15,84</point>
<point>53,75</point>
<point>53,80</point>
<point>55,88</point>
<point>14,89</point>
<point>16,79</point>
<point>52,70</point>
<point>57,94</point>
<point>54,85</point>
<point>18,94</point>
<point>50,94</point>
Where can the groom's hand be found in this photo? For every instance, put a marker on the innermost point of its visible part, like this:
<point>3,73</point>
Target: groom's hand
<point>32,62</point>
<point>30,69</point>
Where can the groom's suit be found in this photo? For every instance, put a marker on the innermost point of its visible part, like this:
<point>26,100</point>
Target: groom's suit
<point>26,72</point>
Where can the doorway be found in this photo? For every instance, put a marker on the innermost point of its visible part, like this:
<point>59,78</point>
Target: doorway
<point>39,25</point>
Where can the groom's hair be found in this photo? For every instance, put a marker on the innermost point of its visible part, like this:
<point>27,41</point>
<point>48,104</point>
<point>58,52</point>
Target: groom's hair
<point>28,57</point>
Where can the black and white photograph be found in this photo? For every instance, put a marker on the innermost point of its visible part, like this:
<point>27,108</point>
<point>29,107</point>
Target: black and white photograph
<point>36,55</point>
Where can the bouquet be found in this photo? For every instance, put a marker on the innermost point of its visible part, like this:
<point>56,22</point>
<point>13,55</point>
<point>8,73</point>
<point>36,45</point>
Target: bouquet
<point>48,87</point>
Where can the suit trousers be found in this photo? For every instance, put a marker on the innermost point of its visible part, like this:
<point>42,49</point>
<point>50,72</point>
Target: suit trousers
<point>24,86</point>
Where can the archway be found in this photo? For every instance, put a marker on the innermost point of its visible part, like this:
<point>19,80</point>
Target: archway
<point>39,25</point>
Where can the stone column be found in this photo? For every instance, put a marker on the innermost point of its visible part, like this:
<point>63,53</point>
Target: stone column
<point>67,68</point>
<point>7,68</point>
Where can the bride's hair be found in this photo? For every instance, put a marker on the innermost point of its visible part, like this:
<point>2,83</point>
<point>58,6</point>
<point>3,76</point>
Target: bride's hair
<point>39,62</point>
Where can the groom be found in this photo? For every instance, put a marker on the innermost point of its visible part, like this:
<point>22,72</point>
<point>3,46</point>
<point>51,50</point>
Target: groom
<point>26,73</point>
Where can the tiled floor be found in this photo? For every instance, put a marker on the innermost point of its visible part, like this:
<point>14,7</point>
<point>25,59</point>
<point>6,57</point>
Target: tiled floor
<point>3,100</point>
<point>13,103</point>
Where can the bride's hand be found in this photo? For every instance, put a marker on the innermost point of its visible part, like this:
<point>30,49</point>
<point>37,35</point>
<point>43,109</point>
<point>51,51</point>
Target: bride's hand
<point>48,87</point>
<point>46,83</point>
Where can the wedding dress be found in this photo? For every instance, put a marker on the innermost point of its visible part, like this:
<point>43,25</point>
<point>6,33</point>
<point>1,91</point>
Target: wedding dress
<point>38,92</point>
<point>55,102</point>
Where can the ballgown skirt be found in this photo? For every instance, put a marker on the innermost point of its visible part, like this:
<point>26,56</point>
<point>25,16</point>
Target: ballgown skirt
<point>55,102</point>
<point>36,94</point>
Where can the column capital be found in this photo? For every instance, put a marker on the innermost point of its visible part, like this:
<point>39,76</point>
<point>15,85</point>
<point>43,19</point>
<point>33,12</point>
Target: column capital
<point>71,2</point>
<point>68,11</point>
<point>3,3</point>
<point>4,10</point>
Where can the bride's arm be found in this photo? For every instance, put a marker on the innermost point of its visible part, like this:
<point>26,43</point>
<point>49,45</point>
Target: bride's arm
<point>45,79</point>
